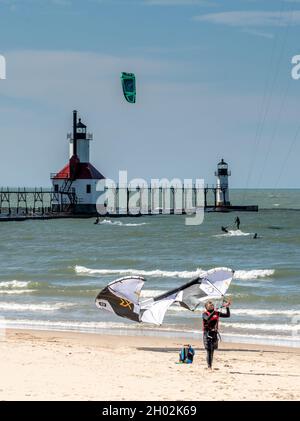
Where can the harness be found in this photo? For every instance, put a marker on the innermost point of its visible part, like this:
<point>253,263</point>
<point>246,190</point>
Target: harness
<point>213,323</point>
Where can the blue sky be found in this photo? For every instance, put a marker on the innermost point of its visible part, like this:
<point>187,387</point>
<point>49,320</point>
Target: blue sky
<point>213,77</point>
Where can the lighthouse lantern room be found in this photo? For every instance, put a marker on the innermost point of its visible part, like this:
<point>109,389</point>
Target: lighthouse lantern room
<point>75,186</point>
<point>222,188</point>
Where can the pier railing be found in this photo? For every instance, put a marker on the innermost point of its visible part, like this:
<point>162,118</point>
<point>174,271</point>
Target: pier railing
<point>136,201</point>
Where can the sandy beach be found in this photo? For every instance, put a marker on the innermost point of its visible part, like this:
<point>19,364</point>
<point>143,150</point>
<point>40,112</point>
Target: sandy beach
<point>48,365</point>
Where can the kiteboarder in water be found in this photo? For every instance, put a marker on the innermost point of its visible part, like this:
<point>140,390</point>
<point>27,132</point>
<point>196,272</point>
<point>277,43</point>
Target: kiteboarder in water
<point>210,319</point>
<point>237,222</point>
<point>224,229</point>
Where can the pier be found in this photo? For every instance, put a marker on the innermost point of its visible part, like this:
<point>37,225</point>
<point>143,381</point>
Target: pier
<point>20,204</point>
<point>79,190</point>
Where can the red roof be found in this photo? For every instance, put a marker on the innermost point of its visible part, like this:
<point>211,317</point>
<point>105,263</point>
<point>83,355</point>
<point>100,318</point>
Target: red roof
<point>83,171</point>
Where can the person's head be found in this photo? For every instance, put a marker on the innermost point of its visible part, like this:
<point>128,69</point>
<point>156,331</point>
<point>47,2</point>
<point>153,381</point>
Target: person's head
<point>209,306</point>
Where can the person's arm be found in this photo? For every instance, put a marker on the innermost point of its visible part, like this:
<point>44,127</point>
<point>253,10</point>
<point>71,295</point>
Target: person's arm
<point>227,314</point>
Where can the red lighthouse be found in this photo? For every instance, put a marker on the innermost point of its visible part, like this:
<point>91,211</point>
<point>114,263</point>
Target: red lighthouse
<point>75,185</point>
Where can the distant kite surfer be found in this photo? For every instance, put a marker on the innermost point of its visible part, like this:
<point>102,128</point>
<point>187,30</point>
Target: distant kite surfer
<point>97,220</point>
<point>237,222</point>
<point>210,318</point>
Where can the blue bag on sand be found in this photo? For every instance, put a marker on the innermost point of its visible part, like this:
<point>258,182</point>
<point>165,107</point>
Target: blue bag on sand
<point>186,354</point>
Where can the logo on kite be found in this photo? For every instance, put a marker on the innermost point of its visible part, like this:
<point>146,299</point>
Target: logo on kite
<point>128,85</point>
<point>125,303</point>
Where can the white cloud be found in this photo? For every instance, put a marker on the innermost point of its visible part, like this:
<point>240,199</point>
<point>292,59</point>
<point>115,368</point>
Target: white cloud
<point>251,18</point>
<point>259,33</point>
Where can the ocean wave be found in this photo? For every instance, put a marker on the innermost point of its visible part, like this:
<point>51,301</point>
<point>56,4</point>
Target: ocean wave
<point>155,273</point>
<point>121,224</point>
<point>14,284</point>
<point>16,291</point>
<point>35,307</point>
<point>264,312</point>
<point>234,233</point>
<point>94,326</point>
<point>252,312</point>
<point>69,324</point>
<point>76,325</point>
<point>253,274</point>
<point>262,326</point>
<point>239,274</point>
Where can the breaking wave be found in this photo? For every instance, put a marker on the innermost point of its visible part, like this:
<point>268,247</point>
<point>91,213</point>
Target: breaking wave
<point>253,274</point>
<point>16,291</point>
<point>155,273</point>
<point>262,326</point>
<point>121,224</point>
<point>35,307</point>
<point>264,312</point>
<point>239,274</point>
<point>14,284</point>
<point>247,312</point>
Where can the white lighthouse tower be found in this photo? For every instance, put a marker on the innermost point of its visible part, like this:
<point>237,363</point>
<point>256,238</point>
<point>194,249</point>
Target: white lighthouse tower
<point>75,185</point>
<point>222,189</point>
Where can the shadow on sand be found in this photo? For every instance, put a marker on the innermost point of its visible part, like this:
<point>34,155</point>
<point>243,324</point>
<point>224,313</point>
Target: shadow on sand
<point>152,349</point>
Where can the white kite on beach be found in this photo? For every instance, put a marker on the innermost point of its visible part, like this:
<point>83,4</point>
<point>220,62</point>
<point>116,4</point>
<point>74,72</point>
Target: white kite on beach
<point>122,297</point>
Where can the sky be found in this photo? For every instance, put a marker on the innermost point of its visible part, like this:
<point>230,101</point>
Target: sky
<point>213,81</point>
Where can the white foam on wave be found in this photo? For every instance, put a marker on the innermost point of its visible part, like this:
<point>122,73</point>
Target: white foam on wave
<point>262,326</point>
<point>16,291</point>
<point>121,224</point>
<point>239,274</point>
<point>14,284</point>
<point>233,233</point>
<point>70,324</point>
<point>264,312</point>
<point>155,273</point>
<point>122,328</point>
<point>34,307</point>
<point>253,274</point>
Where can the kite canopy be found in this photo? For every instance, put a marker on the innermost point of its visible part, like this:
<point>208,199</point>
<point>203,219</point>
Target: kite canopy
<point>122,297</point>
<point>129,87</point>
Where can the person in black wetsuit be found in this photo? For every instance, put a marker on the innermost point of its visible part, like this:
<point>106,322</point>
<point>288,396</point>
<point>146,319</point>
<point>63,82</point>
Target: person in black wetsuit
<point>237,222</point>
<point>210,318</point>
